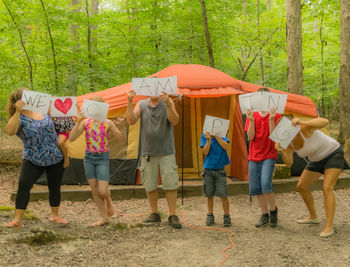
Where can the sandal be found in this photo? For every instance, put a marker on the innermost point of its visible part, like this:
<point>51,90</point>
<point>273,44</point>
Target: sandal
<point>13,225</point>
<point>99,223</point>
<point>58,220</point>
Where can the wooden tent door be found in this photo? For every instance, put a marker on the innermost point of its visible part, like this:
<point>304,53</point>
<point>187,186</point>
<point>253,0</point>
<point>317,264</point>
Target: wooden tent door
<point>195,110</point>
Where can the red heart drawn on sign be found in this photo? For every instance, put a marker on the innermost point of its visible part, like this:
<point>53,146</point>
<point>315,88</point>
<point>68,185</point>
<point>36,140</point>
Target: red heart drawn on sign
<point>65,106</point>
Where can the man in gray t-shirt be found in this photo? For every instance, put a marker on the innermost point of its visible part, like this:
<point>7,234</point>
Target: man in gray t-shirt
<point>157,150</point>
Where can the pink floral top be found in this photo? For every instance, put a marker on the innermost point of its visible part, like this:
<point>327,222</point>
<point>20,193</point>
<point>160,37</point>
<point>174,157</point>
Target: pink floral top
<point>96,137</point>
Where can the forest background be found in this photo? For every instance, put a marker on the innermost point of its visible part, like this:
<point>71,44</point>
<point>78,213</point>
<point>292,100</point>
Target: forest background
<point>73,47</point>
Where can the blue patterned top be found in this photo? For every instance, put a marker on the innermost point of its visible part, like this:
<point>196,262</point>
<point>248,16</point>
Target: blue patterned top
<point>39,139</point>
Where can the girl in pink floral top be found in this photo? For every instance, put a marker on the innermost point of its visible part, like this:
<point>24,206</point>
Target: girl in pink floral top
<point>96,160</point>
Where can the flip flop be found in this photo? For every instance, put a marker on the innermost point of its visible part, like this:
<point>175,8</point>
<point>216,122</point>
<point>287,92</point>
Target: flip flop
<point>58,220</point>
<point>99,223</point>
<point>13,225</point>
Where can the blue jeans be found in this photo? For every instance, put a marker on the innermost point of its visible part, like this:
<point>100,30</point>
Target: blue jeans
<point>96,165</point>
<point>260,176</point>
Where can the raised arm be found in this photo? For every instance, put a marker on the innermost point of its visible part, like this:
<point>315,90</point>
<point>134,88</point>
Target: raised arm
<point>222,142</point>
<point>311,125</point>
<point>132,114</point>
<point>173,116</point>
<point>251,128</point>
<point>206,148</point>
<point>79,127</point>
<point>272,115</point>
<point>12,125</point>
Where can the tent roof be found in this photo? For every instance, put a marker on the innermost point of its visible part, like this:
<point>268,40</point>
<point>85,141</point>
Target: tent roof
<point>201,81</point>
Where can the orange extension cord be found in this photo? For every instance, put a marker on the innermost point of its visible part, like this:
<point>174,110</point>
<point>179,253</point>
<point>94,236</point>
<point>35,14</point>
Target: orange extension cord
<point>198,228</point>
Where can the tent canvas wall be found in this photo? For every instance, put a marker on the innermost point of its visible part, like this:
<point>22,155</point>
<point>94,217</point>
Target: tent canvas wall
<point>204,90</point>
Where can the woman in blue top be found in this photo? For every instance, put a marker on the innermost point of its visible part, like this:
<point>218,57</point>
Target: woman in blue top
<point>40,153</point>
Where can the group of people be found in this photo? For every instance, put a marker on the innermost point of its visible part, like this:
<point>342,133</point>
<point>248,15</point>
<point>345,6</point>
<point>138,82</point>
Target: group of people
<point>158,115</point>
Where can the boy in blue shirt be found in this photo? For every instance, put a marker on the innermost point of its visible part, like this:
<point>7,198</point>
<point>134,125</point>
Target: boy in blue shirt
<point>214,175</point>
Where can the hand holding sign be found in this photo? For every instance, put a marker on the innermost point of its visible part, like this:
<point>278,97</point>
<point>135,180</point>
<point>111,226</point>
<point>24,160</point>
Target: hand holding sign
<point>63,106</point>
<point>262,101</point>
<point>284,133</point>
<point>95,110</point>
<point>36,101</point>
<point>215,126</point>
<point>154,86</point>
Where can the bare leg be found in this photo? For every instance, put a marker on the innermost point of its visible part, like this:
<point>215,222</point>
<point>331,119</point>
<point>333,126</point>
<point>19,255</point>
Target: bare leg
<point>262,203</point>
<point>306,180</point>
<point>270,198</point>
<point>171,196</point>
<point>225,205</point>
<point>55,218</point>
<point>96,189</point>
<point>153,200</point>
<point>330,178</point>
<point>109,204</point>
<point>210,202</point>
<point>62,145</point>
<point>18,216</point>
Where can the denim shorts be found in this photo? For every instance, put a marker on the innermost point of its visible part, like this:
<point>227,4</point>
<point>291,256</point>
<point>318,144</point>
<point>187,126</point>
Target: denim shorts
<point>214,183</point>
<point>260,176</point>
<point>96,165</point>
<point>334,160</point>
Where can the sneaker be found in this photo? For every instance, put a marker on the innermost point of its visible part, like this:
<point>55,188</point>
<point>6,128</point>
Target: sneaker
<point>174,221</point>
<point>273,217</point>
<point>227,220</point>
<point>210,219</point>
<point>153,218</point>
<point>264,219</point>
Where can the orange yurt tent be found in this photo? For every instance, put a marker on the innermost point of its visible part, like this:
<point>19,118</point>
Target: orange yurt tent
<point>204,91</point>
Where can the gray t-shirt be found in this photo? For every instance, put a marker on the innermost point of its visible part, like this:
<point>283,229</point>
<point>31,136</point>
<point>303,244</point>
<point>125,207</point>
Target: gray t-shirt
<point>156,132</point>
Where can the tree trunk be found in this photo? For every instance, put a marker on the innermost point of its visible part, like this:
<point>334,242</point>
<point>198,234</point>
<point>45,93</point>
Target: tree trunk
<point>29,65</point>
<point>72,77</point>
<point>89,46</point>
<point>261,59</point>
<point>323,86</point>
<point>294,47</point>
<point>207,34</point>
<point>52,46</point>
<point>344,76</point>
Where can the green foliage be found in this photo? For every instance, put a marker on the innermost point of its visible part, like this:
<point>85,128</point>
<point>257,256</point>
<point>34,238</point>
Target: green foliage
<point>132,38</point>
<point>28,215</point>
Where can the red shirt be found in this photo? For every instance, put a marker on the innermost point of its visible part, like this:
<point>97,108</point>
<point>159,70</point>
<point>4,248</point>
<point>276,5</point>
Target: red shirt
<point>261,147</point>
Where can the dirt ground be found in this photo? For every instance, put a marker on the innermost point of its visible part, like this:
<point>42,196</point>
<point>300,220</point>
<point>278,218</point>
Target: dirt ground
<point>126,242</point>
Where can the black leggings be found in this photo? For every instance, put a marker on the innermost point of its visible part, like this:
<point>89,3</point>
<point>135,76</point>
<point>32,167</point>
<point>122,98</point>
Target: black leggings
<point>30,173</point>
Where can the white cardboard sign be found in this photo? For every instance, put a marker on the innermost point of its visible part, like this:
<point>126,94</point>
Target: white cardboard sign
<point>36,101</point>
<point>215,126</point>
<point>63,106</point>
<point>154,86</point>
<point>262,101</point>
<point>284,132</point>
<point>95,110</point>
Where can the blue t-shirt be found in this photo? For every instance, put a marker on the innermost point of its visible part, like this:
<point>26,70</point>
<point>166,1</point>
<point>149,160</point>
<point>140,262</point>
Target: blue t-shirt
<point>217,157</point>
<point>39,139</point>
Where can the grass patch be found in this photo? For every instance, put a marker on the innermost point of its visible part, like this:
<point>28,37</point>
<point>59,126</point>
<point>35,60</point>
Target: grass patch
<point>28,215</point>
<point>124,226</point>
<point>40,236</point>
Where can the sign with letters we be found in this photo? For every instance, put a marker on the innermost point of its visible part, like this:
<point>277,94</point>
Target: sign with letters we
<point>154,86</point>
<point>36,101</point>
<point>284,132</point>
<point>63,106</point>
<point>95,110</point>
<point>215,126</point>
<point>262,101</point>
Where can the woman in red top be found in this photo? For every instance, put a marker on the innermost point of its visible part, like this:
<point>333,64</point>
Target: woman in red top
<point>262,158</point>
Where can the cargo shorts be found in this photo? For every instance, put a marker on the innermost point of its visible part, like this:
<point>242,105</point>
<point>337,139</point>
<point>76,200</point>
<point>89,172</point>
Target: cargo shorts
<point>150,167</point>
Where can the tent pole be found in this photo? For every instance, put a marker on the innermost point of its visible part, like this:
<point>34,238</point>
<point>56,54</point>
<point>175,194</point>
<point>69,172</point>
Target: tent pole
<point>182,150</point>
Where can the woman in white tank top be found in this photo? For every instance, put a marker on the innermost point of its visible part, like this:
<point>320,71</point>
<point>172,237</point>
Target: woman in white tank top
<point>326,158</point>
